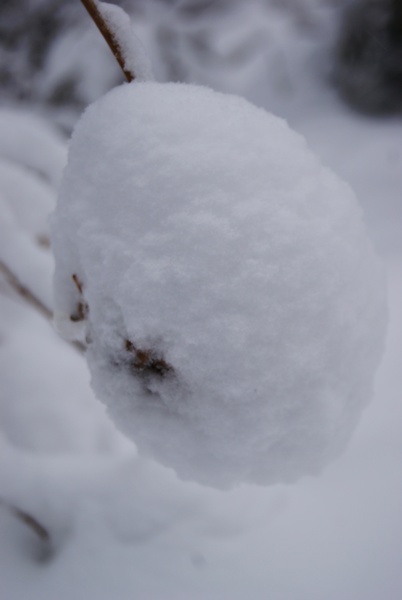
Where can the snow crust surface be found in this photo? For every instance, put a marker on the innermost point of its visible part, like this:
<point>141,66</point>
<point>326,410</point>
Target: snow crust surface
<point>234,307</point>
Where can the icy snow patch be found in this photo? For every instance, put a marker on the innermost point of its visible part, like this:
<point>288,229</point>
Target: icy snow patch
<point>231,300</point>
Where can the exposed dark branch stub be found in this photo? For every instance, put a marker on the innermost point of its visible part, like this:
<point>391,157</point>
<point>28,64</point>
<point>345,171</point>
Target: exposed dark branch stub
<point>82,309</point>
<point>29,520</point>
<point>148,361</point>
<point>77,282</point>
<point>24,292</point>
<point>33,524</point>
<point>29,297</point>
<point>80,314</point>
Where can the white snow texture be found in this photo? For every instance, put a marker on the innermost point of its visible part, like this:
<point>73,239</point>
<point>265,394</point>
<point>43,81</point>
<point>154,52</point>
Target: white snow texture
<point>236,308</point>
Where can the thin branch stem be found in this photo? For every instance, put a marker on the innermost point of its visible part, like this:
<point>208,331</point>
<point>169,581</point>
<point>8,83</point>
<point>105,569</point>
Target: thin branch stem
<point>24,292</point>
<point>40,531</point>
<point>109,35</point>
<point>31,299</point>
<point>32,523</point>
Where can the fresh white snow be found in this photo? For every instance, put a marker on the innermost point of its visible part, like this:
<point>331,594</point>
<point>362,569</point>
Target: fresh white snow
<point>206,237</point>
<point>123,526</point>
<point>32,142</point>
<point>135,57</point>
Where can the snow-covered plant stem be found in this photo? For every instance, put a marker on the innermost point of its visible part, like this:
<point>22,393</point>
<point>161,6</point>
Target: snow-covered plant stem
<point>24,292</point>
<point>109,34</point>
<point>41,533</point>
<point>30,298</point>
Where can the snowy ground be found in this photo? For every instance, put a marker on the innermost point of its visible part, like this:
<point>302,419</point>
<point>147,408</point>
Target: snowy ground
<point>125,527</point>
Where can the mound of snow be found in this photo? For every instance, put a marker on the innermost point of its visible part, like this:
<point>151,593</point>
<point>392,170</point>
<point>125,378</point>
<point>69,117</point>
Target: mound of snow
<point>25,203</point>
<point>223,280</point>
<point>32,142</point>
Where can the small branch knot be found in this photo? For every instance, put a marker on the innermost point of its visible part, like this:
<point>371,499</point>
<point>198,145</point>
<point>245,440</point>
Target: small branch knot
<point>148,361</point>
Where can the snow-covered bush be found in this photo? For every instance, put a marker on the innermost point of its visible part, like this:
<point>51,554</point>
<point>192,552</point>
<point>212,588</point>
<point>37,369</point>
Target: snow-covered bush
<point>52,55</point>
<point>223,280</point>
<point>32,157</point>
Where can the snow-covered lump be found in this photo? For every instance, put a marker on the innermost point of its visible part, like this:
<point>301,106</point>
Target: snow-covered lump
<point>223,280</point>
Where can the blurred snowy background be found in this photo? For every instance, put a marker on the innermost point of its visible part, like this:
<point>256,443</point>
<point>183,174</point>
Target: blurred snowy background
<point>121,526</point>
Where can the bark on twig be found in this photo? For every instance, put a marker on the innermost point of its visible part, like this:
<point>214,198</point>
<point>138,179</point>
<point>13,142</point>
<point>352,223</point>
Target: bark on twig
<point>34,525</point>
<point>30,298</point>
<point>148,362</point>
<point>24,292</point>
<point>109,35</point>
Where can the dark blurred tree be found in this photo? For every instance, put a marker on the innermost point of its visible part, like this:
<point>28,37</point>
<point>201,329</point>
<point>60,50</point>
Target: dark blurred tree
<point>27,30</point>
<point>39,61</point>
<point>51,54</point>
<point>369,56</point>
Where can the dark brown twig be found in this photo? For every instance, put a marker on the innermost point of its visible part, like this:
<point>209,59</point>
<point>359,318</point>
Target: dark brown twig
<point>77,282</point>
<point>24,292</point>
<point>38,529</point>
<point>82,307</point>
<point>112,41</point>
<point>31,299</point>
<point>33,524</point>
<point>148,362</point>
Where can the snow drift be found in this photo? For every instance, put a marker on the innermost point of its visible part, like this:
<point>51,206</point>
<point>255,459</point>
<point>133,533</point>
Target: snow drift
<point>223,280</point>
